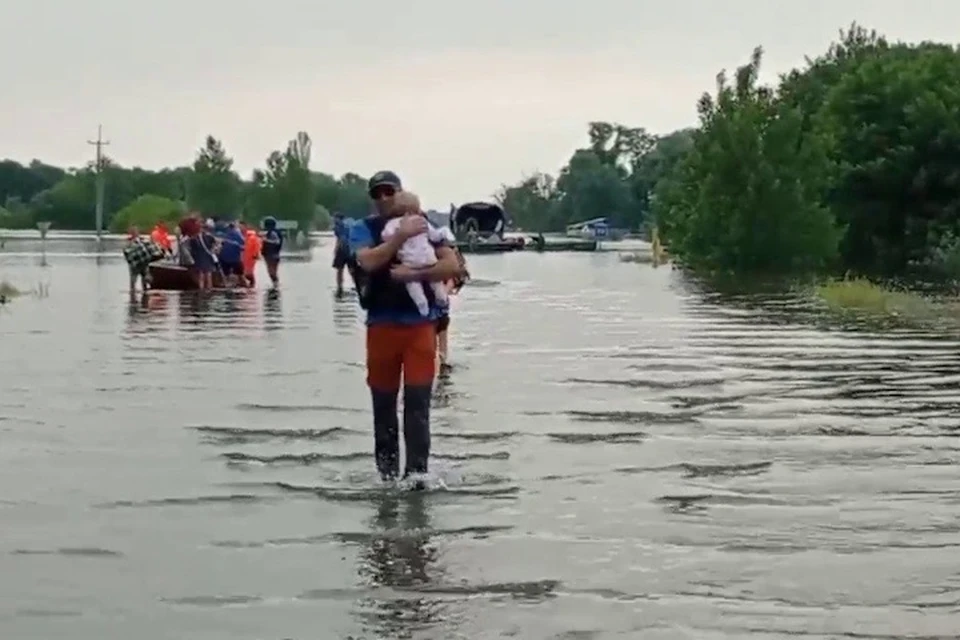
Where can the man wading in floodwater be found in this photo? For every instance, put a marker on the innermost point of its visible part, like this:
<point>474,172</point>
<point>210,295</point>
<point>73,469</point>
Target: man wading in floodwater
<point>400,341</point>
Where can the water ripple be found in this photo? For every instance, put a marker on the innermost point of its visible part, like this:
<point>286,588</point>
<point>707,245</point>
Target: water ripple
<point>620,452</point>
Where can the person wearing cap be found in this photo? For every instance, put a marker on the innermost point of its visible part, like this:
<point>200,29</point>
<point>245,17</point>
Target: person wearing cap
<point>401,342</point>
<point>271,247</point>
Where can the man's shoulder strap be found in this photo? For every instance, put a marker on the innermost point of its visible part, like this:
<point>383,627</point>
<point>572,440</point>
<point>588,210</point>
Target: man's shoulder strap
<point>375,224</point>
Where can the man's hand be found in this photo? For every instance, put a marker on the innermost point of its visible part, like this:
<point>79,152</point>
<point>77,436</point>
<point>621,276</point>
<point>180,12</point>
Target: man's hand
<point>403,273</point>
<point>411,225</point>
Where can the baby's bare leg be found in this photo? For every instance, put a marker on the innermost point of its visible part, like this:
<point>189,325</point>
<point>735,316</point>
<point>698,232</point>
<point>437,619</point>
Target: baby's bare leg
<point>419,296</point>
<point>440,293</point>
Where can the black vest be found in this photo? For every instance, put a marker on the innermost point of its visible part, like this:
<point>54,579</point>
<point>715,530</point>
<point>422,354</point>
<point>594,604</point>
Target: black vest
<point>378,292</point>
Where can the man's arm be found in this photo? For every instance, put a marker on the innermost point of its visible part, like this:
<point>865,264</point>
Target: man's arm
<point>447,267</point>
<point>371,258</point>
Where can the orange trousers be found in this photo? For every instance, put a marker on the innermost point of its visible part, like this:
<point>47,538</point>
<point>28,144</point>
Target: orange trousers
<point>401,351</point>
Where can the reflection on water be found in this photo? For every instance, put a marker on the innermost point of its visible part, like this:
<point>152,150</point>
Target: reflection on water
<point>346,313</point>
<point>398,555</point>
<point>625,454</point>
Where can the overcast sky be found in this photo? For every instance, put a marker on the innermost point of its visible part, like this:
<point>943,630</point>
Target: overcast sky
<point>458,97</point>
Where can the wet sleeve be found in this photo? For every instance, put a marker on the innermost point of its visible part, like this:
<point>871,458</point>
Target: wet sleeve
<point>359,237</point>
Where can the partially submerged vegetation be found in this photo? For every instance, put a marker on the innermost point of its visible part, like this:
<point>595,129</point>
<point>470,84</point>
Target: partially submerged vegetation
<point>864,296</point>
<point>843,166</point>
<point>8,291</point>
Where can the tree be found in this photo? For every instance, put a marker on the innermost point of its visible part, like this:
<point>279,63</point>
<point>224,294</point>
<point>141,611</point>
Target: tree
<point>656,165</point>
<point>18,181</point>
<point>588,187</point>
<point>214,188</point>
<point>807,89</point>
<point>286,189</point>
<point>747,197</point>
<point>70,203</point>
<point>530,204</point>
<point>353,199</point>
<point>326,190</point>
<point>894,124</point>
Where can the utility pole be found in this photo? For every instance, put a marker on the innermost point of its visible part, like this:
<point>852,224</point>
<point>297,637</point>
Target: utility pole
<point>99,143</point>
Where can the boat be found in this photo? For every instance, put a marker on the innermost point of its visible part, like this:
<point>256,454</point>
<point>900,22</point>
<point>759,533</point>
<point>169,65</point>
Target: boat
<point>479,228</point>
<point>547,244</point>
<point>167,276</point>
<point>595,229</point>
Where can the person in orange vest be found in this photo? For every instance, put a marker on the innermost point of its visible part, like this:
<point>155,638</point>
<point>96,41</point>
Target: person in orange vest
<point>161,235</point>
<point>251,254</point>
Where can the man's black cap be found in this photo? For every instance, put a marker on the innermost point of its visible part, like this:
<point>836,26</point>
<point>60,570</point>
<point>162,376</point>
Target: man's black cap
<point>384,179</point>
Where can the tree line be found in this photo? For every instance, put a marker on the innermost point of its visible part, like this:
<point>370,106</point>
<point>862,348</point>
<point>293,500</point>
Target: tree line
<point>285,188</point>
<point>614,176</point>
<point>851,163</point>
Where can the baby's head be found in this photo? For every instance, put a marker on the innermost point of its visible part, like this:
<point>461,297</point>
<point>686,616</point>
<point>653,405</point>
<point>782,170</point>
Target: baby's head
<point>405,202</point>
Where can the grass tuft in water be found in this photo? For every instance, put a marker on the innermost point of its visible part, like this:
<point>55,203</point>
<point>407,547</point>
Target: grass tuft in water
<point>860,294</point>
<point>7,290</point>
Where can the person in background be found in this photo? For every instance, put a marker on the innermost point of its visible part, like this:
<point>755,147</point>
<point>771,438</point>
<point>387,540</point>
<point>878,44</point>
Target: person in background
<point>401,343</point>
<point>203,248</point>
<point>272,245</point>
<point>341,248</point>
<point>161,235</point>
<point>251,254</point>
<point>232,243</point>
<point>186,230</point>
<point>443,323</point>
<point>138,259</point>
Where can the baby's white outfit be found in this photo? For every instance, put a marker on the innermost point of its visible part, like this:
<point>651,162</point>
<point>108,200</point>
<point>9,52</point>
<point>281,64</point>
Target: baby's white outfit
<point>418,252</point>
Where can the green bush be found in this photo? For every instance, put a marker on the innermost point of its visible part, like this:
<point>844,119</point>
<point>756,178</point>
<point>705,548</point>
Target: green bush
<point>145,212</point>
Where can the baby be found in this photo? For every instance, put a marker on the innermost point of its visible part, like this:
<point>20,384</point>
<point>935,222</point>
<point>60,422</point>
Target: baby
<point>418,251</point>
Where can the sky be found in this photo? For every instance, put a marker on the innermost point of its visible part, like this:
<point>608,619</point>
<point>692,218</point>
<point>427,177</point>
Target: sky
<point>457,97</point>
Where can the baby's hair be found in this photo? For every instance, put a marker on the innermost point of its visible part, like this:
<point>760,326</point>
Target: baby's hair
<point>406,202</point>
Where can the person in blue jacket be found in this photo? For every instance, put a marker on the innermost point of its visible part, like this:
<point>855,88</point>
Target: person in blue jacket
<point>232,244</point>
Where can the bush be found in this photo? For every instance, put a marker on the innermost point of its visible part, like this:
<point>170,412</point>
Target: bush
<point>145,212</point>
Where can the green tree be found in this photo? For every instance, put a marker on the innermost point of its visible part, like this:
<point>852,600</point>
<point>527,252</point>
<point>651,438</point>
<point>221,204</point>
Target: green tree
<point>531,204</point>
<point>589,187</point>
<point>70,203</point>
<point>353,199</point>
<point>18,181</point>
<point>16,215</point>
<point>807,89</point>
<point>654,166</point>
<point>747,197</point>
<point>286,188</point>
<point>214,188</point>
<point>145,212</point>
<point>326,190</point>
<point>894,124</point>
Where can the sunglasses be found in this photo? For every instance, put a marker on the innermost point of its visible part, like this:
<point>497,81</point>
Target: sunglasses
<point>383,191</point>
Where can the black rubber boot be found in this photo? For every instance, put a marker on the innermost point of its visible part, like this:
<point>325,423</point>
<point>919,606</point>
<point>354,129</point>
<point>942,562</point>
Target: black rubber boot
<point>386,434</point>
<point>416,428</point>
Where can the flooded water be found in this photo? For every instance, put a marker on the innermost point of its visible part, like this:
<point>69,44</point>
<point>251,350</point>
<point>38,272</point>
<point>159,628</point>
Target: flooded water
<point>624,457</point>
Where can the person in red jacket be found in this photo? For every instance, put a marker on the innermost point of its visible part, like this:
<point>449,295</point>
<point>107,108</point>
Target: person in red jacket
<point>251,254</point>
